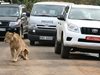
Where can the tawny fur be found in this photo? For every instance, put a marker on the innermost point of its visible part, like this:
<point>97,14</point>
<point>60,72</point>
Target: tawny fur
<point>17,46</point>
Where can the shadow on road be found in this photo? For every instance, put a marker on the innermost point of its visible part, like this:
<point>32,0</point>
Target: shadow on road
<point>50,55</point>
<point>83,56</point>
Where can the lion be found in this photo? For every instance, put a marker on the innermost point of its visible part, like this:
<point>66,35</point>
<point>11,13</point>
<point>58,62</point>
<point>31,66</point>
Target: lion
<point>17,46</point>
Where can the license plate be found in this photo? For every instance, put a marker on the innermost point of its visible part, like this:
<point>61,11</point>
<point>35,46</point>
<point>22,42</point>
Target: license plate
<point>93,38</point>
<point>46,38</point>
<point>2,29</point>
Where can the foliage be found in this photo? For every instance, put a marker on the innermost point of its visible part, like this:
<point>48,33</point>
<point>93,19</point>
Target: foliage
<point>29,3</point>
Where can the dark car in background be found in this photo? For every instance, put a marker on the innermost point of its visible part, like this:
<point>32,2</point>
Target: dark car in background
<point>13,18</point>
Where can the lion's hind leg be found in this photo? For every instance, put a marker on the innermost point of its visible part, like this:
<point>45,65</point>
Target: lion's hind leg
<point>21,55</point>
<point>26,54</point>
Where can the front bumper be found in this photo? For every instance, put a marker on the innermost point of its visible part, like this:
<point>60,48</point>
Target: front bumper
<point>3,30</point>
<point>36,34</point>
<point>78,40</point>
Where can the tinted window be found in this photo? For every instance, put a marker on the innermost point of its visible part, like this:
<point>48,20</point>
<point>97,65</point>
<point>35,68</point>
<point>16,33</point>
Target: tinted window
<point>9,11</point>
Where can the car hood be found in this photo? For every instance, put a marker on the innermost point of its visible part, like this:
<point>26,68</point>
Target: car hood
<point>85,23</point>
<point>43,20</point>
<point>8,18</point>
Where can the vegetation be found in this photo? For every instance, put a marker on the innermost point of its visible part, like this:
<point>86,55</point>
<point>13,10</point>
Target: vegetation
<point>29,3</point>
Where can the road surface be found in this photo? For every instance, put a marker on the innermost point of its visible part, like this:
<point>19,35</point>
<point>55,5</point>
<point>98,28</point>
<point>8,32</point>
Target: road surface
<point>43,61</point>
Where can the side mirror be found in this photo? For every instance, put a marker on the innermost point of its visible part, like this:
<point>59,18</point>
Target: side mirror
<point>27,14</point>
<point>61,17</point>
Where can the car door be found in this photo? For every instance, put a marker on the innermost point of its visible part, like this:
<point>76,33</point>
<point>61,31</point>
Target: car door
<point>61,23</point>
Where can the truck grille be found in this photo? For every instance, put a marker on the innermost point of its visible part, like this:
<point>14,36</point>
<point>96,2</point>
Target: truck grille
<point>2,34</point>
<point>46,26</point>
<point>90,31</point>
<point>4,24</point>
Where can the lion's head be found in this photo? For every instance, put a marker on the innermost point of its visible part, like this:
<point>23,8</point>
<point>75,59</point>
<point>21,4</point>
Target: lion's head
<point>8,37</point>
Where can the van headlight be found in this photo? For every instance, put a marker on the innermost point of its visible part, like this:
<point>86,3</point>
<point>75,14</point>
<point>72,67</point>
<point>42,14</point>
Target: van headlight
<point>73,28</point>
<point>32,26</point>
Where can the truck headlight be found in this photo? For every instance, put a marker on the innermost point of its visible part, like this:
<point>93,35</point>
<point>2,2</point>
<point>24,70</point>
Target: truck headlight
<point>14,24</point>
<point>32,26</point>
<point>73,28</point>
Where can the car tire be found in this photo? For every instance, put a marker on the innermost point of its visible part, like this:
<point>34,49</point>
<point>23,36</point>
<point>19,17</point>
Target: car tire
<point>25,36</point>
<point>57,47</point>
<point>99,56</point>
<point>32,43</point>
<point>65,50</point>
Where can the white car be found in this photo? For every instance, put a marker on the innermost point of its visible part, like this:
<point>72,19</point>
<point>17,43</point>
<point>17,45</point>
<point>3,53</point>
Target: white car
<point>43,20</point>
<point>79,30</point>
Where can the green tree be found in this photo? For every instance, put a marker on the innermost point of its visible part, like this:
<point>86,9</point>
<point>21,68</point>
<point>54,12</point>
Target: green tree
<point>29,3</point>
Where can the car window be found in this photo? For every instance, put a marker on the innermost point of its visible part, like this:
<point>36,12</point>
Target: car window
<point>66,10</point>
<point>47,10</point>
<point>84,13</point>
<point>9,11</point>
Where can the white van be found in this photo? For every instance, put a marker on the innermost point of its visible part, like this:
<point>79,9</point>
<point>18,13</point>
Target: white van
<point>79,30</point>
<point>43,20</point>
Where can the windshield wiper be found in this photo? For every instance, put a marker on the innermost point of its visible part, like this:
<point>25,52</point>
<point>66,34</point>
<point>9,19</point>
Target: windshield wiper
<point>90,19</point>
<point>12,16</point>
<point>45,15</point>
<point>42,15</point>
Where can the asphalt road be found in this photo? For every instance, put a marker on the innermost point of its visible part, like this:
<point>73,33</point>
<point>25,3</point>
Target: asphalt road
<point>43,61</point>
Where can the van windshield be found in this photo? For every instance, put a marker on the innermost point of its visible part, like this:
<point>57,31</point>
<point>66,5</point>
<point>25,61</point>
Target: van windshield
<point>84,14</point>
<point>9,11</point>
<point>47,10</point>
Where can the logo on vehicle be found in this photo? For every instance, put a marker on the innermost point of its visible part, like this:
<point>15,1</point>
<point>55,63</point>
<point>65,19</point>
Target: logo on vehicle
<point>94,30</point>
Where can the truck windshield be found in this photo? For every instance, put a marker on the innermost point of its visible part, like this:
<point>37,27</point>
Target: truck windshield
<point>47,10</point>
<point>9,11</point>
<point>84,14</point>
